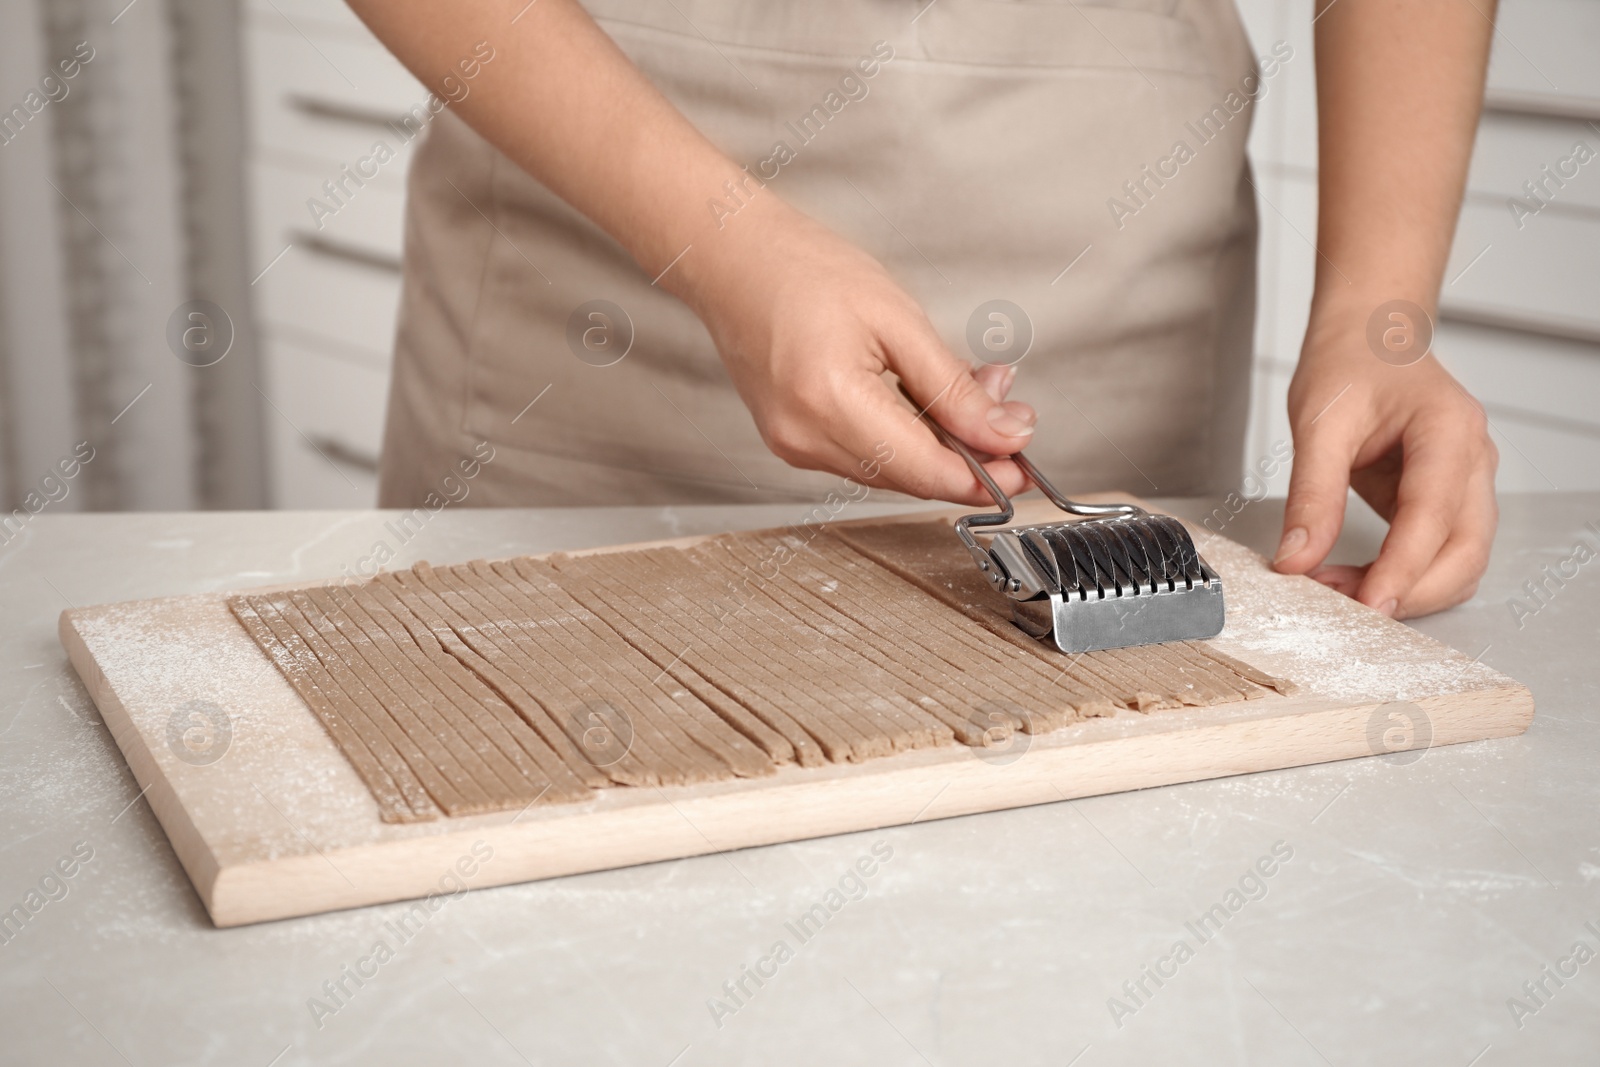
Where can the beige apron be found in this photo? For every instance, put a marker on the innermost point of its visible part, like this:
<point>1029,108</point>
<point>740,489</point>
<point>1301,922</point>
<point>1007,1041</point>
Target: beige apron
<point>1018,151</point>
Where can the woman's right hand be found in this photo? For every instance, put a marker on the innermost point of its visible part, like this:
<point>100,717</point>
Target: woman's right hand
<point>809,325</point>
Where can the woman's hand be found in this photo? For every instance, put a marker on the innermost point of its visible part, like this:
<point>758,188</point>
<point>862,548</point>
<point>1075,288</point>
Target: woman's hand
<point>808,326</point>
<point>1414,445</point>
<point>1399,89</point>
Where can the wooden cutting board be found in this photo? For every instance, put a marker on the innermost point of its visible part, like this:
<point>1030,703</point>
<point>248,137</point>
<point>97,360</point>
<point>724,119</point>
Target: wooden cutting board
<point>270,820</point>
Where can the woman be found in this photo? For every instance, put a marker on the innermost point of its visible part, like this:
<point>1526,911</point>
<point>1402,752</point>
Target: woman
<point>617,234</point>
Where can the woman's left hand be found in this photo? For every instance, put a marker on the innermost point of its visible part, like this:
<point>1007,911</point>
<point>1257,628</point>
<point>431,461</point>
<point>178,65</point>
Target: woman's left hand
<point>1414,445</point>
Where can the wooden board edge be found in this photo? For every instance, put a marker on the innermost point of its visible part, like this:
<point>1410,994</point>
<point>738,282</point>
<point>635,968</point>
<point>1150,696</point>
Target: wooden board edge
<point>198,861</point>
<point>674,829</point>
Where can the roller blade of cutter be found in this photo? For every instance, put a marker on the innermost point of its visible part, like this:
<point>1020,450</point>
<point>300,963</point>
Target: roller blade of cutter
<point>1108,583</point>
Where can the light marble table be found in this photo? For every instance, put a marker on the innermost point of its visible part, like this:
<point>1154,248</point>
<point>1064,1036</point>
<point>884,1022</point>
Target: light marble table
<point>1419,898</point>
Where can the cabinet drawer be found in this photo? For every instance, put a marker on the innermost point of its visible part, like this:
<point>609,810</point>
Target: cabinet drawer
<point>325,403</point>
<point>1549,377</point>
<point>316,18</point>
<point>326,98</point>
<point>302,480</point>
<point>1513,149</point>
<point>369,219</point>
<point>1539,394</point>
<point>1546,46</point>
<point>323,290</point>
<point>1547,270</point>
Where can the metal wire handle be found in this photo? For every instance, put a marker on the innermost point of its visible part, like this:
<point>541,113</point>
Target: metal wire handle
<point>1007,511</point>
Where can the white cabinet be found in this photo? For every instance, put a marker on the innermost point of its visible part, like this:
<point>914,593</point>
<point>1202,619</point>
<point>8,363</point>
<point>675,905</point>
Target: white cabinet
<point>321,92</point>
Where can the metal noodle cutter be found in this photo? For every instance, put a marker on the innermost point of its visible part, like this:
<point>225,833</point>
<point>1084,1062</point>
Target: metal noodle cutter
<point>1114,577</point>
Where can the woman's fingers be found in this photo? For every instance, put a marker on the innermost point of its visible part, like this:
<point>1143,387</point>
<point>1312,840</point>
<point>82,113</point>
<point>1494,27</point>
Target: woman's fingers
<point>1438,471</point>
<point>1340,577</point>
<point>996,379</point>
<point>1422,459</point>
<point>921,465</point>
<point>947,390</point>
<point>1451,574</point>
<point>1314,512</point>
<point>963,397</point>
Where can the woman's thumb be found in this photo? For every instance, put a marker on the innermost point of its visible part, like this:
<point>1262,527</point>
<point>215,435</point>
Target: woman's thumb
<point>969,404</point>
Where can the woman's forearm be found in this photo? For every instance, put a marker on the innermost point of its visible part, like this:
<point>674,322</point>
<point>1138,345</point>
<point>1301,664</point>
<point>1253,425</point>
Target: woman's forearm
<point>563,102</point>
<point>1399,89</point>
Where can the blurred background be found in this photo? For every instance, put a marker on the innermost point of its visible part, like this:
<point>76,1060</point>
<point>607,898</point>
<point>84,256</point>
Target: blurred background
<point>169,300</point>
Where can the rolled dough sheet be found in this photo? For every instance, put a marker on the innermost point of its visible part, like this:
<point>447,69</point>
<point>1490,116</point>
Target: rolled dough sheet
<point>489,686</point>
